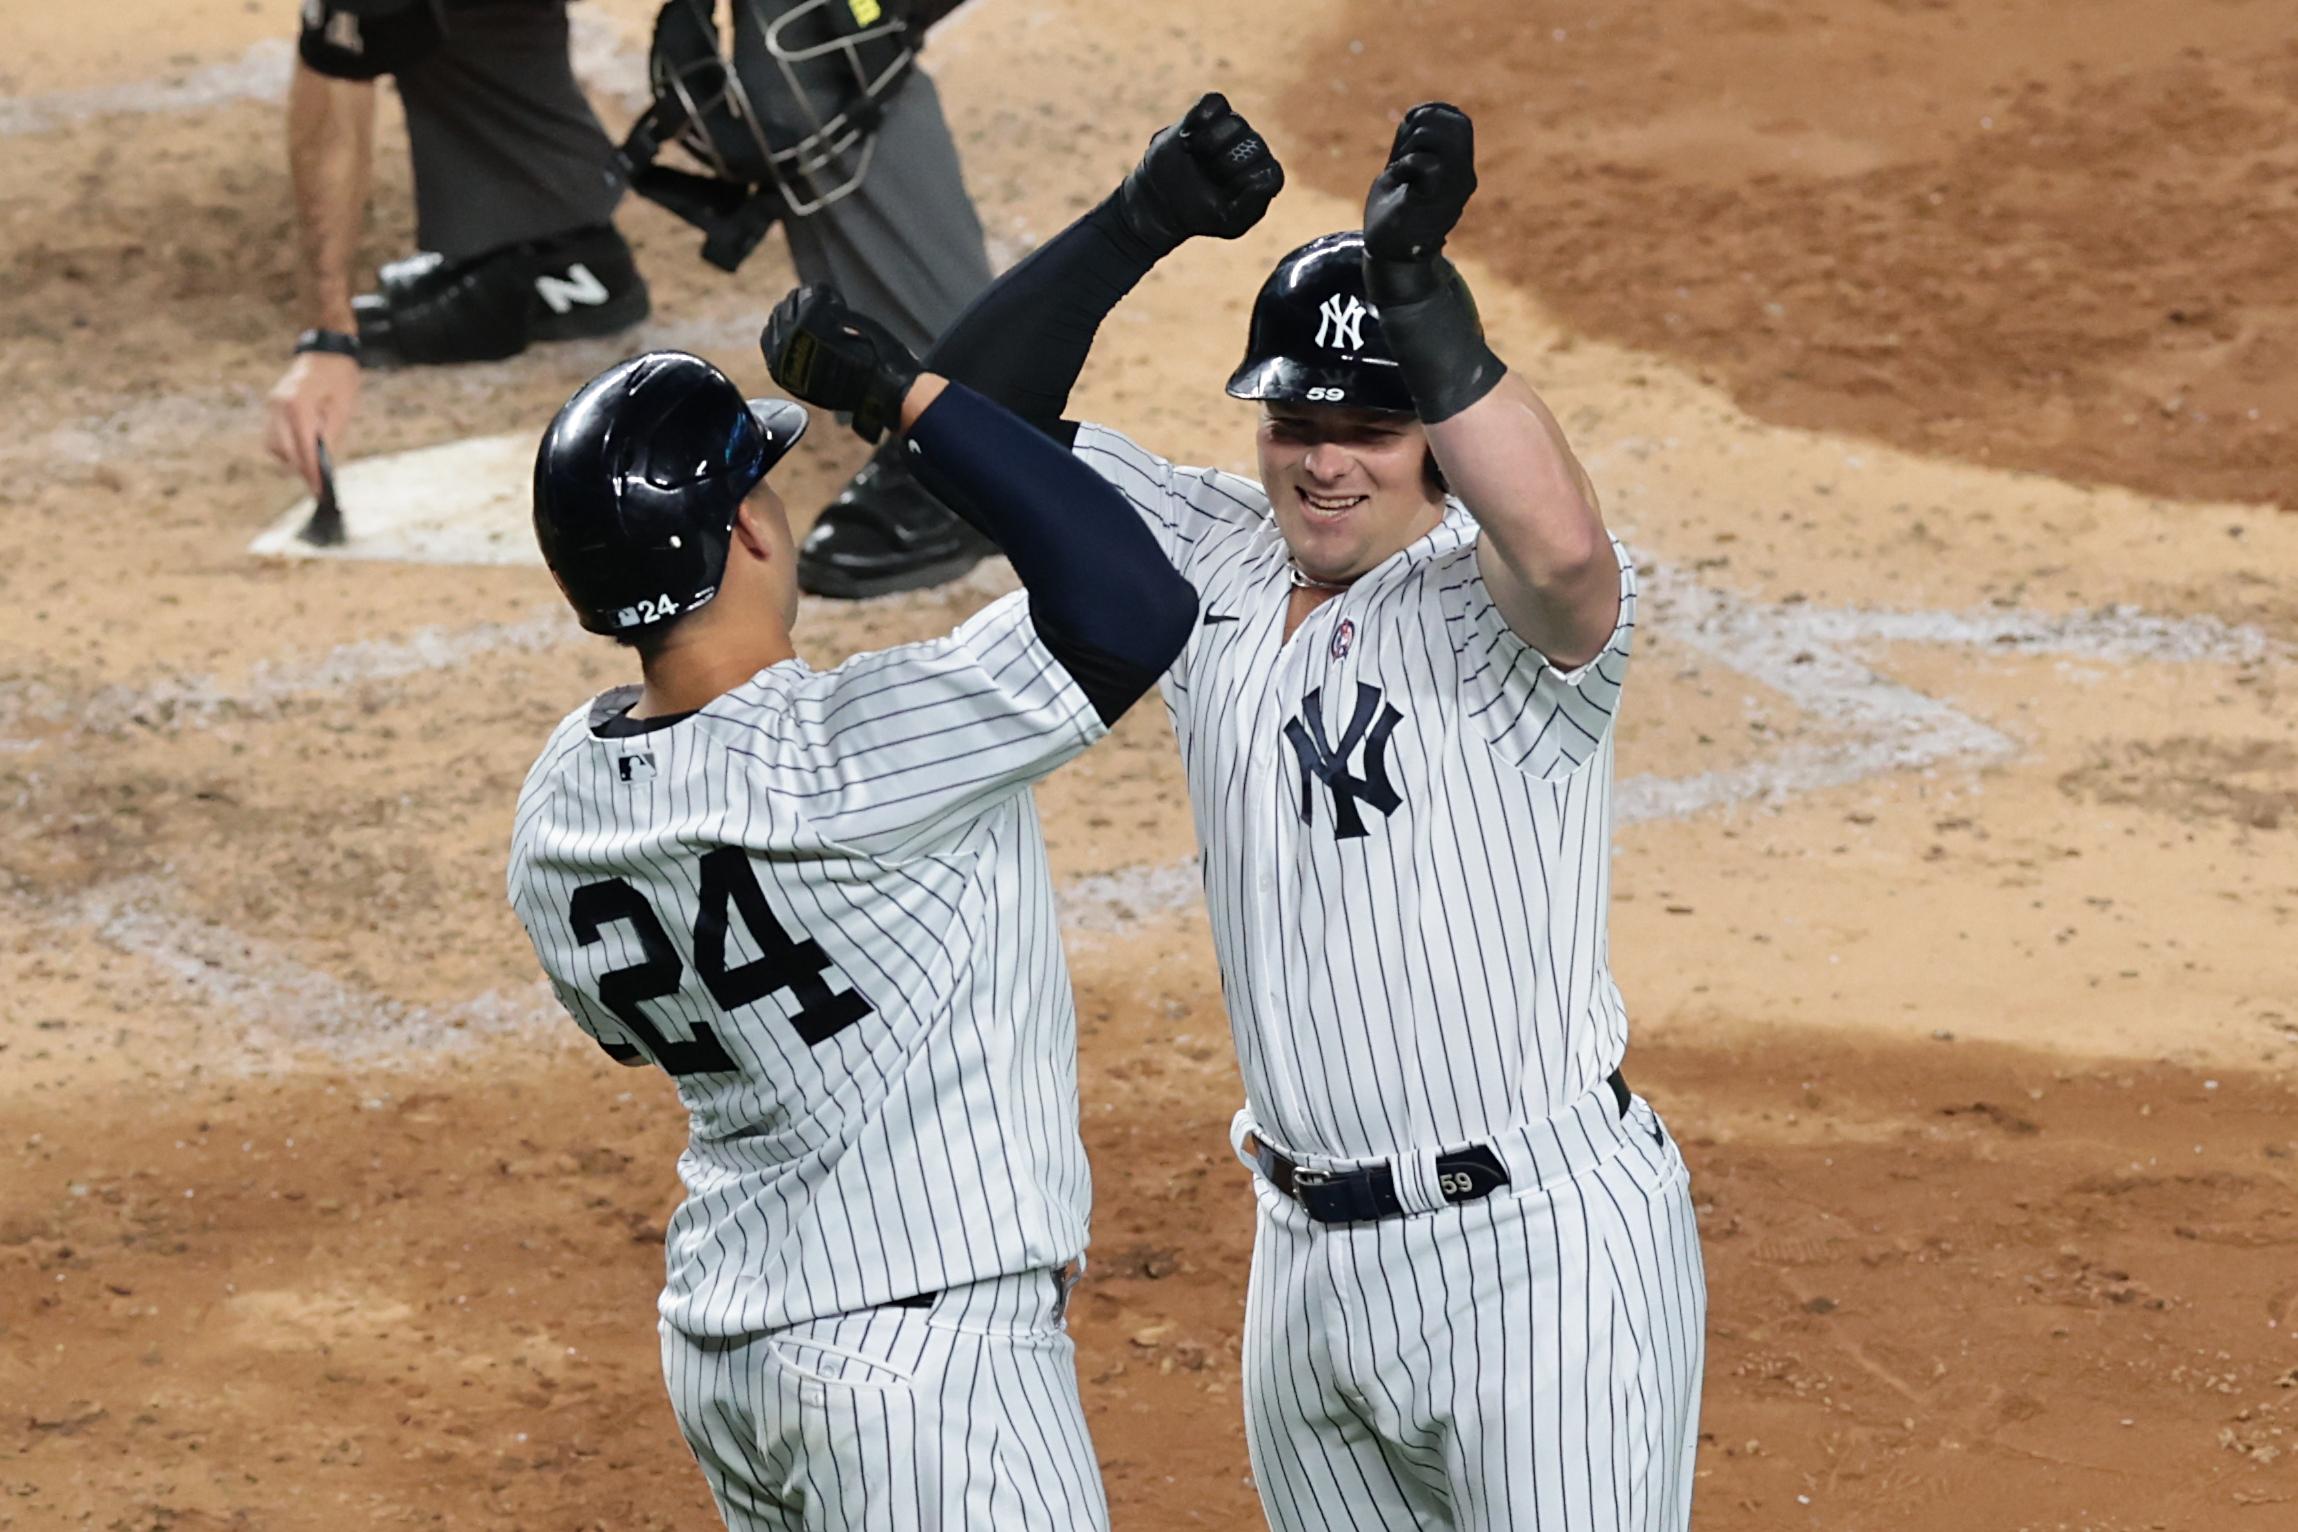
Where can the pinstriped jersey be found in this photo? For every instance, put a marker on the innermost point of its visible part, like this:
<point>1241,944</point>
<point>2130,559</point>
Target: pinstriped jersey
<point>822,904</point>
<point>1404,818</point>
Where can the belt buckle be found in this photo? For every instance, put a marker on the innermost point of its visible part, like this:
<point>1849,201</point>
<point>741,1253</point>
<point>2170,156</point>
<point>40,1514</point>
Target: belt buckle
<point>1303,1176</point>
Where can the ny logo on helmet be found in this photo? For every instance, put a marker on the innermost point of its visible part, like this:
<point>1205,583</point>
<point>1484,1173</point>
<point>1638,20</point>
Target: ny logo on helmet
<point>1322,762</point>
<point>1342,318</point>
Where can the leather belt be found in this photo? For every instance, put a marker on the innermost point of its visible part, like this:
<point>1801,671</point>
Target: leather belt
<point>1369,1192</point>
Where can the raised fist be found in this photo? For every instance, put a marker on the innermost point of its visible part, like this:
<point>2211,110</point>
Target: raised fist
<point>1419,194</point>
<point>1210,173</point>
<point>824,353</point>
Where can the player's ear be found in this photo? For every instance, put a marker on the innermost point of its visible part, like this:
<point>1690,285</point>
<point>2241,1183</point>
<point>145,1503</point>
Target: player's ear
<point>750,527</point>
<point>1432,477</point>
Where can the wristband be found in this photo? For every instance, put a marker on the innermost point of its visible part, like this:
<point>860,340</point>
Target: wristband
<point>1141,224</point>
<point>333,342</point>
<point>1430,323</point>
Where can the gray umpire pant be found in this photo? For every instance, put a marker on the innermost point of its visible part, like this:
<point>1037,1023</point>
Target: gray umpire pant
<point>904,247</point>
<point>506,150</point>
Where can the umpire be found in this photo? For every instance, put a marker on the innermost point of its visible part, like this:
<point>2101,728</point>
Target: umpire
<point>516,186</point>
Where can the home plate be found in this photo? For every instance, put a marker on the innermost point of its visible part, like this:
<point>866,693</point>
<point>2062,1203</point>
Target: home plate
<point>466,502</point>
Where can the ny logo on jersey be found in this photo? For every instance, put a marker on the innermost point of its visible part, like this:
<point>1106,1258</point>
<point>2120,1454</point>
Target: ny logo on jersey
<point>1342,318</point>
<point>1321,762</point>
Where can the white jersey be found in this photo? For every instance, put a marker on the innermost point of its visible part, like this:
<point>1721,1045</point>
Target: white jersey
<point>822,903</point>
<point>1404,814</point>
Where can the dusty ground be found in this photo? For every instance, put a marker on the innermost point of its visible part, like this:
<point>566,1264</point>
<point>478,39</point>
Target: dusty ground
<point>1956,882</point>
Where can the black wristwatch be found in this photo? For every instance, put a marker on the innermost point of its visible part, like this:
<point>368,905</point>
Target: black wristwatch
<point>333,342</point>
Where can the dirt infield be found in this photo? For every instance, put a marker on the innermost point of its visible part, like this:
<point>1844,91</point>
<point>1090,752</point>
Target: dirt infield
<point>1914,349</point>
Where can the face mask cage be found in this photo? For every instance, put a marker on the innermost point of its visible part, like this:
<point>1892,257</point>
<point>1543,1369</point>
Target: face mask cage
<point>866,65</point>
<point>797,105</point>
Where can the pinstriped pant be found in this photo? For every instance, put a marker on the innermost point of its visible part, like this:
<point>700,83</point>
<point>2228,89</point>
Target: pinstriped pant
<point>1524,1361</point>
<point>960,1416</point>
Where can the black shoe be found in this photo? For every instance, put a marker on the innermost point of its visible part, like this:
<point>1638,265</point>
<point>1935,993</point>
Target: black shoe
<point>885,533</point>
<point>431,310</point>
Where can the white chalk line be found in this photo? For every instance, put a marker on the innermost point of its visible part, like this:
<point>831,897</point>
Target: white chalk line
<point>259,74</point>
<point>182,423</point>
<point>1881,726</point>
<point>172,704</point>
<point>197,701</point>
<point>1106,902</point>
<point>606,58</point>
<point>272,1005</point>
<point>1804,654</point>
<point>2119,633</point>
<point>1797,649</point>
<point>173,422</point>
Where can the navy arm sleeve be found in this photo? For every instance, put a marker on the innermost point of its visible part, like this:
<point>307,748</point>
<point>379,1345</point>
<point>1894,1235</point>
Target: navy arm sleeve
<point>1024,340</point>
<point>1102,594</point>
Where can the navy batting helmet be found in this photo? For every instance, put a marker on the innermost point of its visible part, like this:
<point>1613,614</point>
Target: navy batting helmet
<point>1315,337</point>
<point>637,482</point>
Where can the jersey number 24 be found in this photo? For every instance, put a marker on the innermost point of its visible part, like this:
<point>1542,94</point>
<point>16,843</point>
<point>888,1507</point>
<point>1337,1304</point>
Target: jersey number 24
<point>728,882</point>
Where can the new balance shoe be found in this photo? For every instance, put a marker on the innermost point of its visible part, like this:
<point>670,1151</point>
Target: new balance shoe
<point>430,310</point>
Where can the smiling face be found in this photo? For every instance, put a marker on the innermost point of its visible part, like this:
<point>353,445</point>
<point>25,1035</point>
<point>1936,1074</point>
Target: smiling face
<point>1350,487</point>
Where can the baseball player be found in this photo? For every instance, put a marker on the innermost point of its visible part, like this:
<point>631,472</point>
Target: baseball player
<point>819,900</point>
<point>1477,1298</point>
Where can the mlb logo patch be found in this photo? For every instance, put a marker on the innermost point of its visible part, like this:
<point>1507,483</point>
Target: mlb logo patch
<point>1344,638</point>
<point>637,767</point>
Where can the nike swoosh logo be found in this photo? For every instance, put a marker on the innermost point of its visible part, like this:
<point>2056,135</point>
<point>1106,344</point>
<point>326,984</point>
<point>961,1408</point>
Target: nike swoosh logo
<point>1213,617</point>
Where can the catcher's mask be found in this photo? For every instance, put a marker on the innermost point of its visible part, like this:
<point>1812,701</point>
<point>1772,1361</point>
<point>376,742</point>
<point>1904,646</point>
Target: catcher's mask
<point>782,121</point>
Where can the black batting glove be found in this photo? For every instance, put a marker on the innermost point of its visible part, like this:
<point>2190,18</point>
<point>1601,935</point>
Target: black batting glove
<point>823,352</point>
<point>1210,173</point>
<point>1415,201</point>
<point>1426,314</point>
